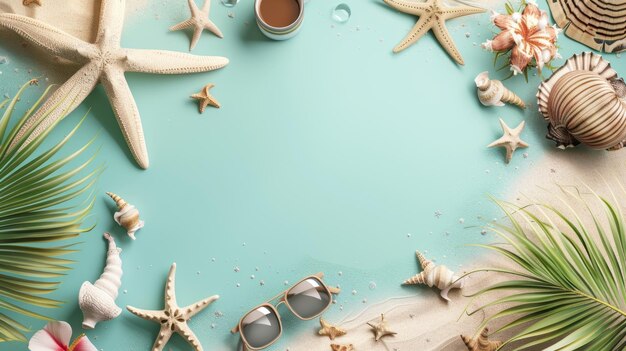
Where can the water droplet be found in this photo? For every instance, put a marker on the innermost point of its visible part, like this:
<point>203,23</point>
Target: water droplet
<point>354,292</point>
<point>229,3</point>
<point>341,13</point>
<point>372,285</point>
<point>236,269</point>
<point>3,60</point>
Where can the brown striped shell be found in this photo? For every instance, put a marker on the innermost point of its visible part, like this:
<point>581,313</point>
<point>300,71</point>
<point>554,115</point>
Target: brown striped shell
<point>585,102</point>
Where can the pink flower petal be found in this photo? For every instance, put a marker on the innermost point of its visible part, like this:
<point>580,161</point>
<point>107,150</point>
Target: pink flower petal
<point>503,41</point>
<point>504,22</point>
<point>82,343</point>
<point>532,10</point>
<point>519,58</point>
<point>54,337</point>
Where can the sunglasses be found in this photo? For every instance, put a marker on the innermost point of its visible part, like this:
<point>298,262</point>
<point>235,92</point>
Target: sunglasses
<point>262,326</point>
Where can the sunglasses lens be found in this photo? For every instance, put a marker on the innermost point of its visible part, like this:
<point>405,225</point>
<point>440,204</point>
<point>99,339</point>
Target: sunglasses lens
<point>260,327</point>
<point>309,298</point>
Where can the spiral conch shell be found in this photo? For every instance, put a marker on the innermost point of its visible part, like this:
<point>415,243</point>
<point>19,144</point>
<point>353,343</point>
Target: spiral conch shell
<point>97,300</point>
<point>492,92</point>
<point>585,102</point>
<point>481,342</point>
<point>435,276</point>
<point>127,216</point>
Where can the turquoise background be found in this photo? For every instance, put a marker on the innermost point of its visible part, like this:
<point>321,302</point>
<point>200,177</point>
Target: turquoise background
<point>329,153</point>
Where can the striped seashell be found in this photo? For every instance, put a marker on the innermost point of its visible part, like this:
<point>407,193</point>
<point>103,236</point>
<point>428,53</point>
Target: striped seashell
<point>481,342</point>
<point>337,347</point>
<point>492,92</point>
<point>432,275</point>
<point>585,102</point>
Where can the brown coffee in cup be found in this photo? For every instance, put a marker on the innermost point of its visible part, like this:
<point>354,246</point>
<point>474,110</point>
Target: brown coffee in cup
<point>279,13</point>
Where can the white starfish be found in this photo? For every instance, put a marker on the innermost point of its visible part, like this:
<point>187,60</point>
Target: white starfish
<point>103,61</point>
<point>172,318</point>
<point>432,15</point>
<point>200,21</point>
<point>510,140</point>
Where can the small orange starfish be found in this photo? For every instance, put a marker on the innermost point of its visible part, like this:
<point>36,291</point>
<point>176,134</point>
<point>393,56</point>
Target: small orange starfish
<point>205,98</point>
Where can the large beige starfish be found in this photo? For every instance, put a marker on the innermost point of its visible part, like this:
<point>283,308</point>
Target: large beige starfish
<point>510,140</point>
<point>432,15</point>
<point>103,61</point>
<point>200,21</point>
<point>172,318</point>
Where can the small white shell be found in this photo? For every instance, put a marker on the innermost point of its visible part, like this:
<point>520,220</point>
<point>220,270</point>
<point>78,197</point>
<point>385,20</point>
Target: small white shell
<point>97,300</point>
<point>126,216</point>
<point>435,276</point>
<point>492,92</point>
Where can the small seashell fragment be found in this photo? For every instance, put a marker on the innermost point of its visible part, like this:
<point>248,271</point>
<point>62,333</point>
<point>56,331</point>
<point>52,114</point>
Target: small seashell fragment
<point>126,216</point>
<point>97,300</point>
<point>435,276</point>
<point>481,342</point>
<point>492,92</point>
<point>337,347</point>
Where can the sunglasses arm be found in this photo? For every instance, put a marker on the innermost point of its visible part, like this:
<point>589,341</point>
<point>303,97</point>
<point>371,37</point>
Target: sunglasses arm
<point>235,330</point>
<point>333,290</point>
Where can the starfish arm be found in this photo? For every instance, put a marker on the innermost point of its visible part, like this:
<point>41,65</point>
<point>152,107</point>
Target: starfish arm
<point>213,29</point>
<point>150,315</point>
<point>421,27</point>
<point>207,6</point>
<point>460,11</point>
<point>407,6</point>
<point>197,32</point>
<point>111,20</point>
<point>127,114</point>
<point>194,308</point>
<point>58,105</point>
<point>195,11</point>
<point>186,333</point>
<point>164,336</point>
<point>182,25</point>
<point>170,289</point>
<point>498,143</point>
<point>443,36</point>
<point>170,62</point>
<point>44,36</point>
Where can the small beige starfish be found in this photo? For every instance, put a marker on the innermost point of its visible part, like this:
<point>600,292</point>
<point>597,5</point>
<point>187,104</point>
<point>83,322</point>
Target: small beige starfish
<point>381,330</point>
<point>200,21</point>
<point>481,342</point>
<point>510,140</point>
<point>30,2</point>
<point>205,98</point>
<point>330,330</point>
<point>173,319</point>
<point>432,15</point>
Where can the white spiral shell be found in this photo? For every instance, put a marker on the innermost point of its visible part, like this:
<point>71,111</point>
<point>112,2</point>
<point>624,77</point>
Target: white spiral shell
<point>97,300</point>
<point>585,102</point>
<point>432,275</point>
<point>492,92</point>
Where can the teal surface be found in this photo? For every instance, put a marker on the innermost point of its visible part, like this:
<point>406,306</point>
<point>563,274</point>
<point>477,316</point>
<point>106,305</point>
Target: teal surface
<point>329,153</point>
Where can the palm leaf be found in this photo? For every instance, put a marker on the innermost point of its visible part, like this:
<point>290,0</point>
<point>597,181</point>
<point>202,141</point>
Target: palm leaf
<point>568,286</point>
<point>35,189</point>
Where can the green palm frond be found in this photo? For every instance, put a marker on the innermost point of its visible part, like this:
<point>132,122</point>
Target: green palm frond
<point>36,212</point>
<point>567,289</point>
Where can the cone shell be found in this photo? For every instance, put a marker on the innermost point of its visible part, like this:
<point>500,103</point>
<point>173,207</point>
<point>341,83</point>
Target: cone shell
<point>336,347</point>
<point>126,216</point>
<point>432,275</point>
<point>492,92</point>
<point>481,343</point>
<point>584,102</point>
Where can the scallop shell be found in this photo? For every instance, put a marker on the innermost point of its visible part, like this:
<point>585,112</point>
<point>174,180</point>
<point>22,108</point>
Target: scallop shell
<point>599,24</point>
<point>492,92</point>
<point>97,300</point>
<point>584,102</point>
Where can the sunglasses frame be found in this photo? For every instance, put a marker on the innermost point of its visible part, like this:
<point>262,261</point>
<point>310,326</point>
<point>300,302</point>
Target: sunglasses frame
<point>283,300</point>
